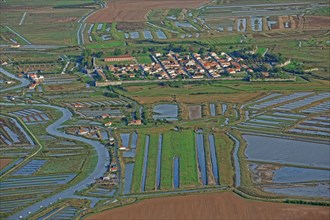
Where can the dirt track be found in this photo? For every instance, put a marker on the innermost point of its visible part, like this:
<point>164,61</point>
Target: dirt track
<point>136,10</point>
<point>213,206</point>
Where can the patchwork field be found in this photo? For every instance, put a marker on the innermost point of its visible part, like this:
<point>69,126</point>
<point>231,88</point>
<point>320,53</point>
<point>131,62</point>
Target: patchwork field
<point>207,206</point>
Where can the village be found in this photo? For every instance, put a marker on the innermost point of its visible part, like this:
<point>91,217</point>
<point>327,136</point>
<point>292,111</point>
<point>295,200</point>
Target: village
<point>172,65</point>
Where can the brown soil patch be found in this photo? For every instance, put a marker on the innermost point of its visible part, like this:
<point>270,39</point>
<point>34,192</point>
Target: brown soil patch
<point>4,163</point>
<point>212,206</point>
<point>136,10</point>
<point>316,22</point>
<point>64,20</point>
<point>195,112</point>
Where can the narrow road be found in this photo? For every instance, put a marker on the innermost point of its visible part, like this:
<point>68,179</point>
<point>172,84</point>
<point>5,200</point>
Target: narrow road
<point>18,35</point>
<point>24,82</point>
<point>100,169</point>
<point>22,19</point>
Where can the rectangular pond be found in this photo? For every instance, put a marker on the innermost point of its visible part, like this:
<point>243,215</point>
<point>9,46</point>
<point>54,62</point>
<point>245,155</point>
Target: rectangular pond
<point>125,139</point>
<point>159,161</point>
<point>214,159</point>
<point>160,34</point>
<point>176,172</point>
<point>134,35</point>
<point>201,157</point>
<point>145,164</point>
<point>147,35</point>
<point>284,174</point>
<point>134,140</point>
<point>212,109</point>
<point>130,153</point>
<point>287,151</point>
<point>129,167</point>
<point>169,112</point>
<point>321,190</point>
<point>224,108</point>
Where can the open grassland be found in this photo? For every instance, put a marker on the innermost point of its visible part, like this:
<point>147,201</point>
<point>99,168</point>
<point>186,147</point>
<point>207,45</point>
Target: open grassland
<point>207,206</point>
<point>45,22</point>
<point>232,92</point>
<point>224,148</point>
<point>128,10</point>
<point>182,145</point>
<point>152,163</point>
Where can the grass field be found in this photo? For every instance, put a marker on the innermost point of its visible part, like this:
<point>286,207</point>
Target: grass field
<point>137,174</point>
<point>226,91</point>
<point>152,162</point>
<point>56,26</point>
<point>180,144</point>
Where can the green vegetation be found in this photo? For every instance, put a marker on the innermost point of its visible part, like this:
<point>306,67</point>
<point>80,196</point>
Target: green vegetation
<point>179,144</point>
<point>152,162</point>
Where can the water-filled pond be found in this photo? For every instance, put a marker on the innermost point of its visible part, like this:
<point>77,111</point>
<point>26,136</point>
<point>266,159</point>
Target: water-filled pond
<point>176,174</point>
<point>129,167</point>
<point>124,139</point>
<point>280,150</point>
<point>201,157</point>
<point>321,190</point>
<point>295,174</point>
<point>166,111</point>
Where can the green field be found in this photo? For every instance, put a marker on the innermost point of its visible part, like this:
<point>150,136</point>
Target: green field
<point>181,144</point>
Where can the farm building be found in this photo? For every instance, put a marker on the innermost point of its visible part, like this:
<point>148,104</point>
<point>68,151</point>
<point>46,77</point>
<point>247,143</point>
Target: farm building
<point>108,124</point>
<point>119,58</point>
<point>135,122</point>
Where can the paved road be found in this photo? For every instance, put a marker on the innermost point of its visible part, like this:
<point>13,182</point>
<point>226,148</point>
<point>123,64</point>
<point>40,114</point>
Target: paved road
<point>24,82</point>
<point>31,47</point>
<point>100,169</point>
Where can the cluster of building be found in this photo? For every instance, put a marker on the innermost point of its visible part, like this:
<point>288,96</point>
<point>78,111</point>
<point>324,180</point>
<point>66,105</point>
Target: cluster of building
<point>230,64</point>
<point>154,69</point>
<point>170,65</point>
<point>130,70</point>
<point>34,78</point>
<point>191,66</point>
<point>186,65</point>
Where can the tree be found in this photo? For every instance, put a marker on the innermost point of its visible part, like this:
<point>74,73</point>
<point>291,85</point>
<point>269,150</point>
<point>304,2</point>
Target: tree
<point>201,50</point>
<point>118,51</point>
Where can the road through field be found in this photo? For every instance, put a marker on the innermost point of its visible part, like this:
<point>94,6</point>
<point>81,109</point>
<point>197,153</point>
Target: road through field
<point>100,169</point>
<point>24,82</point>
